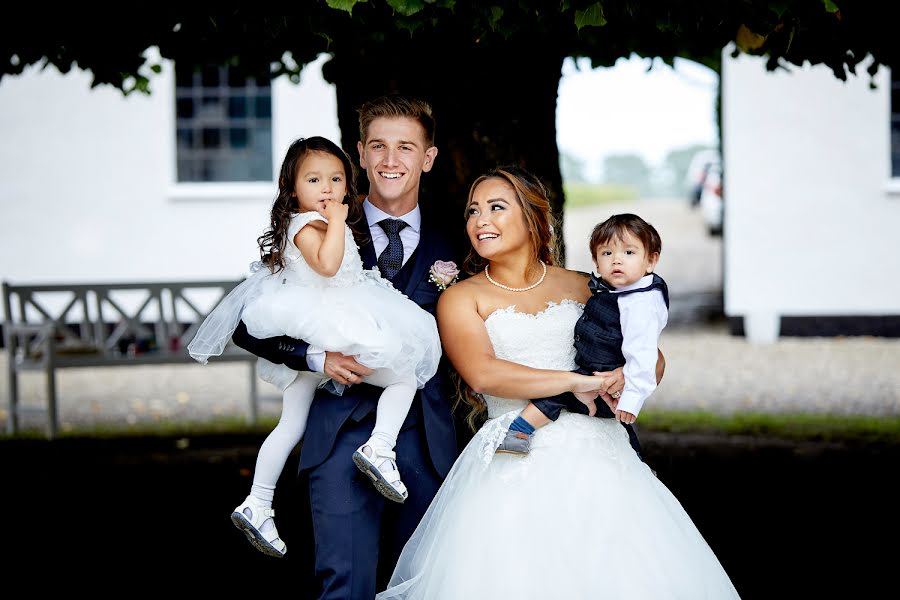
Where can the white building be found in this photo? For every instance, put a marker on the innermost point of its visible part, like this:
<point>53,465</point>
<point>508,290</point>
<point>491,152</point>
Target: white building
<point>812,202</point>
<point>95,186</point>
<point>90,184</point>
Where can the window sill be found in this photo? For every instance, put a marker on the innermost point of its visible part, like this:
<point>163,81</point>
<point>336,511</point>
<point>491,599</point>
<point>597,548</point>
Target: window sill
<point>234,191</point>
<point>892,187</point>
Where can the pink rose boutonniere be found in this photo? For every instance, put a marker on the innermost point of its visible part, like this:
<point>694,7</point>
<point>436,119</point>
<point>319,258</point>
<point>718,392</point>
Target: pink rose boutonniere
<point>443,274</point>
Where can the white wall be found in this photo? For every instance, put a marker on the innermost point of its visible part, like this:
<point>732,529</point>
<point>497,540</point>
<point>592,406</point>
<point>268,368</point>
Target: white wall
<point>811,223</point>
<point>87,182</point>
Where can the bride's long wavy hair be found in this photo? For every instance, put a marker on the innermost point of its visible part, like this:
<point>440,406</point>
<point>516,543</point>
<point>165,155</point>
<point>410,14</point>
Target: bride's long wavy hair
<point>534,200</point>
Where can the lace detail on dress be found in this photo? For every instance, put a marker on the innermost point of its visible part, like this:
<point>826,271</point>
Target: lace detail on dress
<point>349,273</point>
<point>513,335</point>
<point>544,340</point>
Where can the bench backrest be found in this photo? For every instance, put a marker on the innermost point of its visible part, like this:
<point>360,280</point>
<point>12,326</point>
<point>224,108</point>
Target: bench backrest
<point>103,316</point>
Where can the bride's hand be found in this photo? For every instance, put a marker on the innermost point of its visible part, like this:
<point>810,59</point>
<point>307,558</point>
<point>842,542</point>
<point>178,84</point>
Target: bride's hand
<point>587,383</point>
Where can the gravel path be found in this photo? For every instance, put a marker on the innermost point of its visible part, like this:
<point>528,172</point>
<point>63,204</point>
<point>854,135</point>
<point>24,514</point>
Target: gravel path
<point>706,369</point>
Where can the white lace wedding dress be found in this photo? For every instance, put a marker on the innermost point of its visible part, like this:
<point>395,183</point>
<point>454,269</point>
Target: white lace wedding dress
<point>579,517</point>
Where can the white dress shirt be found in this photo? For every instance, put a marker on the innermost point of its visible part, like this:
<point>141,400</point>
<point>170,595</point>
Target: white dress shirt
<point>642,316</point>
<point>409,235</point>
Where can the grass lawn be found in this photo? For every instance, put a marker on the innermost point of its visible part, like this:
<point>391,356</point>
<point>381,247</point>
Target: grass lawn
<point>587,194</point>
<point>805,426</point>
<point>813,427</point>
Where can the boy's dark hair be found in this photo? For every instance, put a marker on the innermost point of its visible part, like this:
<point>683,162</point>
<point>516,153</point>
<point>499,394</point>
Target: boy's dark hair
<point>396,106</point>
<point>633,224</point>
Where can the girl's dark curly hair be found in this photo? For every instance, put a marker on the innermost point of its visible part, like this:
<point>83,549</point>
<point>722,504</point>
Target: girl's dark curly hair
<point>285,206</point>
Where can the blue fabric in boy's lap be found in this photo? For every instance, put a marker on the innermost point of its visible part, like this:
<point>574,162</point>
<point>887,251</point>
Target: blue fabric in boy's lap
<point>598,347</point>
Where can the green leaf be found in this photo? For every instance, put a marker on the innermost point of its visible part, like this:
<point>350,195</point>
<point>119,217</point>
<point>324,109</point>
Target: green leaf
<point>346,5</point>
<point>779,8</point>
<point>830,6</point>
<point>156,68</point>
<point>406,8</point>
<point>496,14</point>
<point>592,16</point>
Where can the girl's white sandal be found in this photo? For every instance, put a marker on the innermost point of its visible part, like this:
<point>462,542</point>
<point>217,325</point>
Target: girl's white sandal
<point>249,518</point>
<point>372,461</point>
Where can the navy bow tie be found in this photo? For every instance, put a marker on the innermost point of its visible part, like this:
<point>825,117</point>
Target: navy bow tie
<point>598,286</point>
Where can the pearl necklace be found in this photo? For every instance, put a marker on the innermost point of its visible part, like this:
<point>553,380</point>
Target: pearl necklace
<point>521,289</point>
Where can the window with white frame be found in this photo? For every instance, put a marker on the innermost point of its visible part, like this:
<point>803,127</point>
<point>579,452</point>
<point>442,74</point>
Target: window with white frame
<point>223,125</point>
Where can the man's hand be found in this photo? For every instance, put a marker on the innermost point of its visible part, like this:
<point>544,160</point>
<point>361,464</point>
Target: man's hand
<point>344,369</point>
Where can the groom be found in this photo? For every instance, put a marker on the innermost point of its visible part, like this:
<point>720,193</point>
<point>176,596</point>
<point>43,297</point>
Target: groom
<point>355,528</point>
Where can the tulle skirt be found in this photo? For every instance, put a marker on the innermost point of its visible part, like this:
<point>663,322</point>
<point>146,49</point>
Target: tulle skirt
<point>370,320</point>
<point>580,517</point>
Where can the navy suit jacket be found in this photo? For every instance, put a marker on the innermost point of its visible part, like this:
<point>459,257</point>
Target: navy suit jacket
<point>431,406</point>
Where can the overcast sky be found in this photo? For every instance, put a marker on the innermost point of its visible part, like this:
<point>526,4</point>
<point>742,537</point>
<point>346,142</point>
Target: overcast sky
<point>628,109</point>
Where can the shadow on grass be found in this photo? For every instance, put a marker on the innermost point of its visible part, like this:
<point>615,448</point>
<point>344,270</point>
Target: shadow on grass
<point>788,516</point>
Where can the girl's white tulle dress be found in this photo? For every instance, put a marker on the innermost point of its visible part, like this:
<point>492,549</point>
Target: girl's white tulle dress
<point>355,312</point>
<point>579,517</point>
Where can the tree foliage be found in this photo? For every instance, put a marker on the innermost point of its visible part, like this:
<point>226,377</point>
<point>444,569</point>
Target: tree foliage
<point>836,33</point>
<point>490,68</point>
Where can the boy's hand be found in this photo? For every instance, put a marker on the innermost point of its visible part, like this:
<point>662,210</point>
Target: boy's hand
<point>335,210</point>
<point>587,398</point>
<point>626,417</point>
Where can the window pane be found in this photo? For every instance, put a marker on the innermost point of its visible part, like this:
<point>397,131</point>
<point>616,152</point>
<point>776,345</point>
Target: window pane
<point>895,125</point>
<point>185,138</point>
<point>184,77</point>
<point>185,108</point>
<point>186,170</point>
<point>236,78</point>
<point>210,76</point>
<point>238,136</point>
<point>211,138</point>
<point>237,107</point>
<point>264,107</point>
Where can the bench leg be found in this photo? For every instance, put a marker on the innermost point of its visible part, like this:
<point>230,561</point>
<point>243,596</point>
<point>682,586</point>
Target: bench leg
<point>12,421</point>
<point>52,412</point>
<point>254,395</point>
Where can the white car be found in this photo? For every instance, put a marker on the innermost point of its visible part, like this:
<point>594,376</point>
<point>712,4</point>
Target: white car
<point>697,170</point>
<point>711,204</point>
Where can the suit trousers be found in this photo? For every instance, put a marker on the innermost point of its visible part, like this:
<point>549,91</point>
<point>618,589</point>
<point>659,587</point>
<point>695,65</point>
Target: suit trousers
<point>359,534</point>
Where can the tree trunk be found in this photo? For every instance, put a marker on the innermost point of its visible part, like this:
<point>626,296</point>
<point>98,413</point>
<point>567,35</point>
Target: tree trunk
<point>491,108</point>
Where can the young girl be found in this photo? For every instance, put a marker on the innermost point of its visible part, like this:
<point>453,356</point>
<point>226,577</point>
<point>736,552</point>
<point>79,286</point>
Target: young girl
<point>314,288</point>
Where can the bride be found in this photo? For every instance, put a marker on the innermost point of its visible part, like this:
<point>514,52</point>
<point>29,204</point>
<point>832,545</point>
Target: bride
<point>580,516</point>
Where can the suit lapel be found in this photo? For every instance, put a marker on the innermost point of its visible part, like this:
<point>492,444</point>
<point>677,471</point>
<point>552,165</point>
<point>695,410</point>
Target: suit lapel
<point>422,258</point>
<point>367,252</point>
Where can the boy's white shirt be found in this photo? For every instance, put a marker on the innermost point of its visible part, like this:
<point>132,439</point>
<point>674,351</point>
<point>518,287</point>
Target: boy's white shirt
<point>642,316</point>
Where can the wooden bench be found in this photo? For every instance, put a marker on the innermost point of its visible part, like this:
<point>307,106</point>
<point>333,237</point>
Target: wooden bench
<point>105,324</point>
